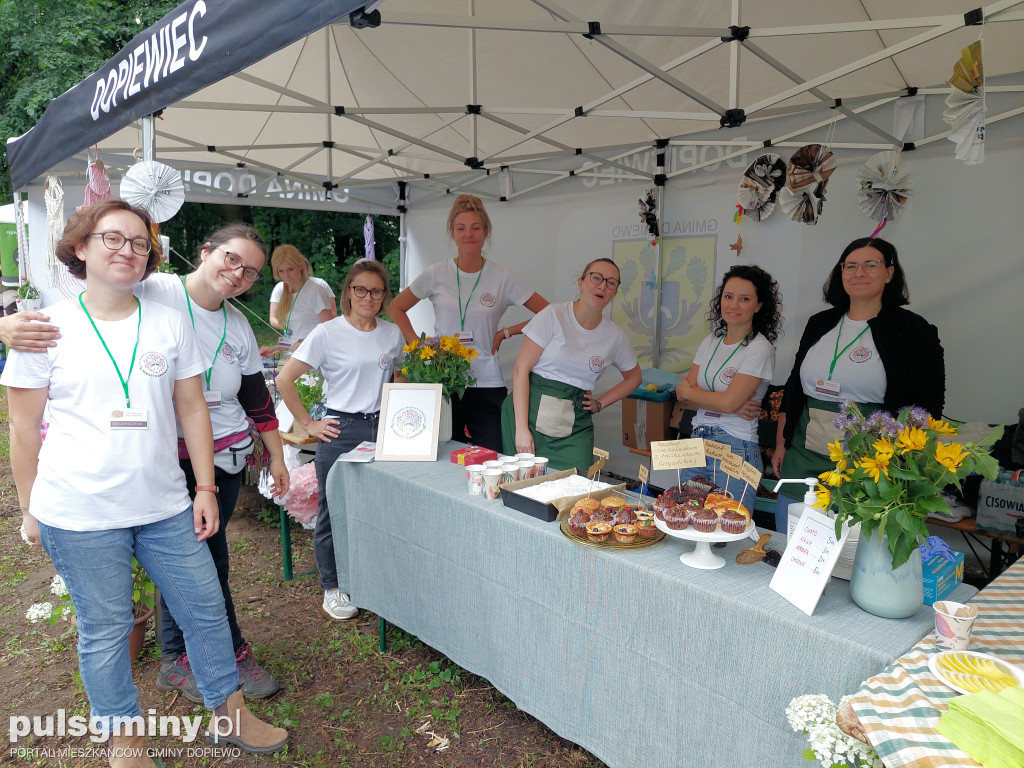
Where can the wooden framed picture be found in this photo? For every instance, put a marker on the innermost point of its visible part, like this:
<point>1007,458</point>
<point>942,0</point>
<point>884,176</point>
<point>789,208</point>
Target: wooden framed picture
<point>409,416</point>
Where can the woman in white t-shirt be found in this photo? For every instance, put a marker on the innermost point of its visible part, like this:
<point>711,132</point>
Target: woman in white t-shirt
<point>470,295</point>
<point>734,366</point>
<point>299,302</point>
<point>567,347</point>
<point>356,354</point>
<point>106,485</point>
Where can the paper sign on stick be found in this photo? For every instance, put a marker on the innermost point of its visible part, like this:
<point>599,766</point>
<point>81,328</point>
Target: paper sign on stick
<point>678,454</point>
<point>715,449</point>
<point>807,563</point>
<point>643,474</point>
<point>601,453</point>
<point>750,475</point>
<point>732,465</point>
<point>595,467</point>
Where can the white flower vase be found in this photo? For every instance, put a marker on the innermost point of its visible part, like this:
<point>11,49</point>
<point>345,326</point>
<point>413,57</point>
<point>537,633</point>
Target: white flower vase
<point>878,588</point>
<point>444,424</point>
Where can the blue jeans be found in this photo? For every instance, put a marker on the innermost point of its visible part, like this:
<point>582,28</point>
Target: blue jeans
<point>748,450</point>
<point>172,640</point>
<point>96,567</point>
<point>329,546</point>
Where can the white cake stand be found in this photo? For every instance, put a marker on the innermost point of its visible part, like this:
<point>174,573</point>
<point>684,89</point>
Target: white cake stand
<point>702,557</point>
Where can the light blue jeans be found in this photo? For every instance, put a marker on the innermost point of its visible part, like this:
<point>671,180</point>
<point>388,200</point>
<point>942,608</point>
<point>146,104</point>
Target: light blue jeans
<point>747,449</point>
<point>96,567</point>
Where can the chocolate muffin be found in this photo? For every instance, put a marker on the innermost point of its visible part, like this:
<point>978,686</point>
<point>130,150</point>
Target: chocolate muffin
<point>624,517</point>
<point>733,522</point>
<point>578,523</point>
<point>677,518</point>
<point>705,521</point>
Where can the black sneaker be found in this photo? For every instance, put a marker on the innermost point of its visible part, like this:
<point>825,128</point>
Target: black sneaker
<point>256,682</point>
<point>176,675</point>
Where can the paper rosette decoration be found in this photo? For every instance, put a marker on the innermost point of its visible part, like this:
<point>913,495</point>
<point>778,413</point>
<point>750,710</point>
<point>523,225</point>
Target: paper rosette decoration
<point>806,179</point>
<point>884,186</point>
<point>760,185</point>
<point>965,106</point>
<point>154,187</point>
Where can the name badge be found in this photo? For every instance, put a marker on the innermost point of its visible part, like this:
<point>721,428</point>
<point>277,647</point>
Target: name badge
<point>129,418</point>
<point>213,398</point>
<point>466,337</point>
<point>286,341</point>
<point>712,415</point>
<point>827,387</point>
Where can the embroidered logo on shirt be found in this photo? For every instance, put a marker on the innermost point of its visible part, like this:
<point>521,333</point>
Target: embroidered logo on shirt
<point>384,362</point>
<point>153,364</point>
<point>229,354</point>
<point>597,363</point>
<point>487,299</point>
<point>860,355</point>
<point>726,376</point>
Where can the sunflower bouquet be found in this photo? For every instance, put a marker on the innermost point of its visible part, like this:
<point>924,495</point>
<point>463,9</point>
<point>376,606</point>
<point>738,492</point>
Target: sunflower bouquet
<point>440,360</point>
<point>889,473</point>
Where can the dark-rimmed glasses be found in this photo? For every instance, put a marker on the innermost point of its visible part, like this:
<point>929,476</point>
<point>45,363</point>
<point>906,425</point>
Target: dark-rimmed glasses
<point>233,263</point>
<point>597,278</point>
<point>141,246</point>
<point>361,290</point>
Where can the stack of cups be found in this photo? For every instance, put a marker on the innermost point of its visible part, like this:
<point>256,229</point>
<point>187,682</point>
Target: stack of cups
<point>475,478</point>
<point>540,466</point>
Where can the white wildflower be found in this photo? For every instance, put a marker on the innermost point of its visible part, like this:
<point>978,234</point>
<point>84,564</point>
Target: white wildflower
<point>57,586</point>
<point>39,612</point>
<point>815,715</point>
<point>805,711</point>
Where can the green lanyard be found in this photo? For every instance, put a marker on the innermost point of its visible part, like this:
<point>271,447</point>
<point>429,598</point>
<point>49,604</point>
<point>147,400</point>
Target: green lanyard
<point>124,381</point>
<point>458,282</point>
<point>837,354</point>
<point>295,300</point>
<point>223,335</point>
<point>711,384</point>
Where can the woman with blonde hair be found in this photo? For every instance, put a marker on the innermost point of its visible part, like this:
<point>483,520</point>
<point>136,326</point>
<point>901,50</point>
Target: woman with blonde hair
<point>299,302</point>
<point>470,295</point>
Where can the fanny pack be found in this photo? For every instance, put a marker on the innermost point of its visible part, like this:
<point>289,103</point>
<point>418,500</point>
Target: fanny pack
<point>230,453</point>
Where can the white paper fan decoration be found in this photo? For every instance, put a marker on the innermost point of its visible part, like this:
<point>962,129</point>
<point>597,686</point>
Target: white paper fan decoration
<point>965,106</point>
<point>154,187</point>
<point>806,180</point>
<point>884,186</point>
<point>760,186</point>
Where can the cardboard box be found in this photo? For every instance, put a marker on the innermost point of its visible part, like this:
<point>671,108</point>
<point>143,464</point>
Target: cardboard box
<point>552,510</point>
<point>1000,505</point>
<point>941,576</point>
<point>645,422</point>
<point>472,454</point>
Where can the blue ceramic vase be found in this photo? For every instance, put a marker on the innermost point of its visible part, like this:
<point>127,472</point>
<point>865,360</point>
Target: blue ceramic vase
<point>877,588</point>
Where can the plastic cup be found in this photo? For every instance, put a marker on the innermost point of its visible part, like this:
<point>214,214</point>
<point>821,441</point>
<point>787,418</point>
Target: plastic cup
<point>540,466</point>
<point>492,478</point>
<point>490,463</point>
<point>511,471</point>
<point>503,459</point>
<point>521,456</point>
<point>475,478</point>
<point>525,468</point>
<point>953,624</point>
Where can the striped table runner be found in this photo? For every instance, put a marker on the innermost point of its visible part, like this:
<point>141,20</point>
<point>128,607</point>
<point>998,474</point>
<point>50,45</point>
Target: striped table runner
<point>900,708</point>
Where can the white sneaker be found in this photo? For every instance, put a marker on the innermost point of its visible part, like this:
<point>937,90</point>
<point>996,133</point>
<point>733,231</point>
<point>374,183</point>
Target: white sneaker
<point>337,605</point>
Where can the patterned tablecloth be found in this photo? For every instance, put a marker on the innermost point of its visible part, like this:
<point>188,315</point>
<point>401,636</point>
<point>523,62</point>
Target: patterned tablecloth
<point>900,708</point>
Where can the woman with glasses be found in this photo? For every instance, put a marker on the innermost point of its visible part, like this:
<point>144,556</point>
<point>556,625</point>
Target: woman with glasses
<point>567,347</point>
<point>299,302</point>
<point>469,295</point>
<point>866,348</point>
<point>229,262</point>
<point>734,365</point>
<point>355,353</point>
<point>106,485</point>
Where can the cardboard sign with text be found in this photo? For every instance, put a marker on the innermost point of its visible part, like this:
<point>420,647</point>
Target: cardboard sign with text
<point>732,465</point>
<point>678,454</point>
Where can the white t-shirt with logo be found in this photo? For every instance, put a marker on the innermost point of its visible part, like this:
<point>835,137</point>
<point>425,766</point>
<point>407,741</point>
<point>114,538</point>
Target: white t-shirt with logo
<point>574,355</point>
<point>313,297</point>
<point>239,355</point>
<point>859,370</point>
<point>720,362</point>
<point>91,477</point>
<point>483,303</point>
<point>356,364</point>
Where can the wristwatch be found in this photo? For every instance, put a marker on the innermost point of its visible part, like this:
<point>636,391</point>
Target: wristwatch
<point>508,334</point>
<point>597,406</point>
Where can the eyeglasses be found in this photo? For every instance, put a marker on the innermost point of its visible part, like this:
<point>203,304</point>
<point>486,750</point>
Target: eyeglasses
<point>870,267</point>
<point>597,278</point>
<point>141,246</point>
<point>362,290</point>
<point>233,263</point>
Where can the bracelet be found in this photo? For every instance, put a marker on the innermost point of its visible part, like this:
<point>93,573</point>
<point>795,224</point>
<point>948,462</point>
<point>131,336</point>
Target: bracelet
<point>508,335</point>
<point>597,406</point>
<point>207,488</point>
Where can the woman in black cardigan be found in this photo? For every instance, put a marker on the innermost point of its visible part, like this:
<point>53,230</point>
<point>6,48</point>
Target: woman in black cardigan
<point>866,348</point>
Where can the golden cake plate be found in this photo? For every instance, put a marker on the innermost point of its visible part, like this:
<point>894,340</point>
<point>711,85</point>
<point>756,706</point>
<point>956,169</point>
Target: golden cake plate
<point>610,542</point>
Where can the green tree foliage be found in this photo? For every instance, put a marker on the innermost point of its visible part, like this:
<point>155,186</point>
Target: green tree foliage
<point>49,45</point>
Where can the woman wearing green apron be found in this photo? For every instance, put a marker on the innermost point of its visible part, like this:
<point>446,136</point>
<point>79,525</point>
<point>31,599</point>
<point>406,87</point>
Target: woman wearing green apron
<point>866,349</point>
<point>565,349</point>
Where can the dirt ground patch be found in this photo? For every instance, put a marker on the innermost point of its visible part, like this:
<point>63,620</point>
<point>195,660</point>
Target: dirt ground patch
<point>344,702</point>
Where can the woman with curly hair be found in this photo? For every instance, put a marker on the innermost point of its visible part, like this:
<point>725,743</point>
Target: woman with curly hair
<point>734,365</point>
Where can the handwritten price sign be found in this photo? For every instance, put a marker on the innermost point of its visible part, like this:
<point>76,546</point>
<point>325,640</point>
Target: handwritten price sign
<point>811,553</point>
<point>678,454</point>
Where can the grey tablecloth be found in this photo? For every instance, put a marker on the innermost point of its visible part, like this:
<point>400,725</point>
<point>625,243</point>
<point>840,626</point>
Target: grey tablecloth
<point>638,658</point>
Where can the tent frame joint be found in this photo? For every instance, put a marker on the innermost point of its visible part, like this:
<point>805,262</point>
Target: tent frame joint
<point>737,33</point>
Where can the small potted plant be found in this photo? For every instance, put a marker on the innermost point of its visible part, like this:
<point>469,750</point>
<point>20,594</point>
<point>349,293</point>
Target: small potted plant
<point>28,298</point>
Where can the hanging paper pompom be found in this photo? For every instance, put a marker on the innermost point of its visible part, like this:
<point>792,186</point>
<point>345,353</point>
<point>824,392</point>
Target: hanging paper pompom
<point>649,213</point>
<point>806,180</point>
<point>760,186</point>
<point>965,106</point>
<point>884,186</point>
<point>154,187</point>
